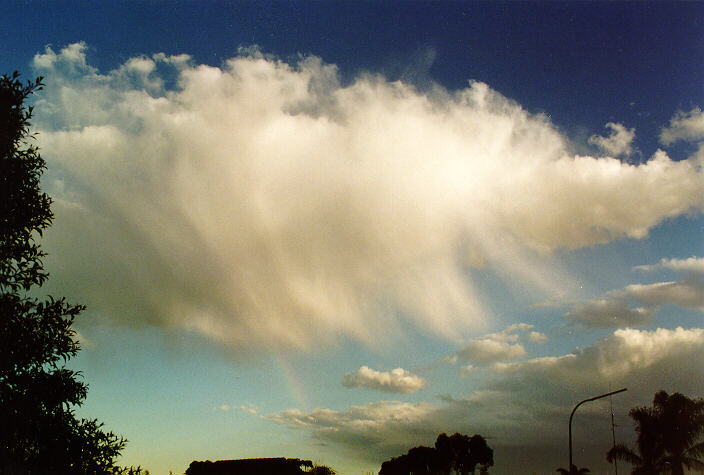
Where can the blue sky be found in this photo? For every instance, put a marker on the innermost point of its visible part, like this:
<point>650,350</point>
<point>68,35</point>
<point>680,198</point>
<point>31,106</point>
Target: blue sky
<point>334,230</point>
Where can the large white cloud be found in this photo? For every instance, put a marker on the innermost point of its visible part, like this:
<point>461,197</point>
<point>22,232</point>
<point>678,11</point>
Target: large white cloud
<point>395,381</point>
<point>265,205</point>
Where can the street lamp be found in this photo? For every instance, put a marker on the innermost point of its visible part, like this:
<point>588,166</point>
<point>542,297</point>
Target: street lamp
<point>575,408</point>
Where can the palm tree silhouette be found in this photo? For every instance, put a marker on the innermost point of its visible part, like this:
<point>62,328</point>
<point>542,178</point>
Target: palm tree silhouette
<point>573,470</point>
<point>669,436</point>
<point>649,459</point>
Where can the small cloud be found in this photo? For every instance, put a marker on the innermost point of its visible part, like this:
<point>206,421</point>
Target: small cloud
<point>610,312</point>
<point>83,341</point>
<point>467,370</point>
<point>692,264</point>
<point>618,142</point>
<point>685,293</point>
<point>635,304</point>
<point>396,381</point>
<point>687,126</point>
<point>517,326</point>
<point>486,351</point>
<point>500,346</point>
<point>249,408</point>
<point>537,337</point>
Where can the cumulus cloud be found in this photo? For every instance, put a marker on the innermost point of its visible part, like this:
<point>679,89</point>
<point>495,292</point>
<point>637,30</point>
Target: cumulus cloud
<point>618,142</point>
<point>687,126</point>
<point>625,357</point>
<point>694,265</point>
<point>501,346</point>
<point>612,312</point>
<point>265,205</point>
<point>686,293</point>
<point>395,381</point>
<point>485,351</point>
<point>537,337</point>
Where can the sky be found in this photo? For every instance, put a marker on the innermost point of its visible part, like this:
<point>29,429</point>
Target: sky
<point>333,231</point>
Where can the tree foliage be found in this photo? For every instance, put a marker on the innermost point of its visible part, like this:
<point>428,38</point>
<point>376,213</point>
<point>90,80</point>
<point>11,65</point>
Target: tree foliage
<point>669,436</point>
<point>321,470</point>
<point>454,454</point>
<point>39,432</point>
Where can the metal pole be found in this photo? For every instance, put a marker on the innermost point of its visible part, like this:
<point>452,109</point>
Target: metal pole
<point>575,408</point>
<point>613,432</point>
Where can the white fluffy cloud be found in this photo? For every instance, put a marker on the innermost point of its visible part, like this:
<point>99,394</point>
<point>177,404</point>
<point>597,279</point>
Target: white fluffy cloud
<point>618,142</point>
<point>537,337</point>
<point>265,205</point>
<point>687,126</point>
<point>501,346</point>
<point>485,351</point>
<point>395,381</point>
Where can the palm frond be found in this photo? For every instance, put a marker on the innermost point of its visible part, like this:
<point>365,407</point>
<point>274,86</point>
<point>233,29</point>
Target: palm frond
<point>622,452</point>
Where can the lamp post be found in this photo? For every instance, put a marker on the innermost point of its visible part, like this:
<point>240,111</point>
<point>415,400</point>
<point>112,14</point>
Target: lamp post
<point>575,408</point>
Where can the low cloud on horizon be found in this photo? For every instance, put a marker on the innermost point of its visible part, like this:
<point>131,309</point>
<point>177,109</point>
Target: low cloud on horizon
<point>523,398</point>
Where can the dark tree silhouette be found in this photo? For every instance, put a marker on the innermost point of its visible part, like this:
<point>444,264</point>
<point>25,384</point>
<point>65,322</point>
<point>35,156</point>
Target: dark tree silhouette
<point>257,466</point>
<point>649,456</point>
<point>455,454</point>
<point>321,470</point>
<point>39,432</point>
<point>669,436</point>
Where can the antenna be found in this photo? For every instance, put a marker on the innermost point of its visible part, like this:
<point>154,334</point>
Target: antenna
<point>613,432</point>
